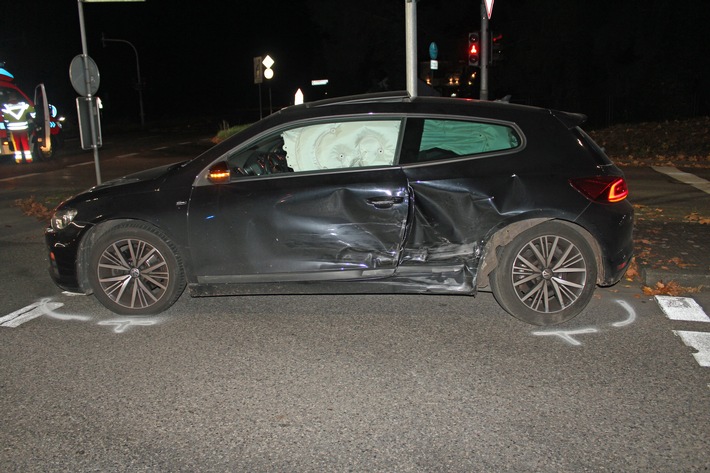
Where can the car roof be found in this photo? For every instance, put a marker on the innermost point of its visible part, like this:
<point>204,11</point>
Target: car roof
<point>402,102</point>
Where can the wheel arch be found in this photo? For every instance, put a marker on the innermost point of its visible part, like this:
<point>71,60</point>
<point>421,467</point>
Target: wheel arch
<point>99,229</point>
<point>506,234</point>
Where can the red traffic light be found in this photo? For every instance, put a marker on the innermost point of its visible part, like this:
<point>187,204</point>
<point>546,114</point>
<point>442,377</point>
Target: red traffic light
<point>474,48</point>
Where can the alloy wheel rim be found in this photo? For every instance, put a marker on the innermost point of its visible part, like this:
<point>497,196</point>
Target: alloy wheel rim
<point>549,274</point>
<point>133,273</point>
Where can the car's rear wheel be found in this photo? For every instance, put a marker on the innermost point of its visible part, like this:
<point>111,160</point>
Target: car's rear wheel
<point>546,275</point>
<point>135,270</point>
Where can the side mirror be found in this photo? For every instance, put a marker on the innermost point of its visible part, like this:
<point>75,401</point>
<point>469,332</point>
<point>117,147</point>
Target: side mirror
<point>219,173</point>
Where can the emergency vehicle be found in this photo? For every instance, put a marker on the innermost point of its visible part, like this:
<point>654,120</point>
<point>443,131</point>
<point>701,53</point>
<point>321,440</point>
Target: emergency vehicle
<point>29,130</point>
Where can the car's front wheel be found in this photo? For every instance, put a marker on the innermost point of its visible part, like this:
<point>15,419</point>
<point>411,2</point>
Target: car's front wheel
<point>135,270</point>
<point>546,275</point>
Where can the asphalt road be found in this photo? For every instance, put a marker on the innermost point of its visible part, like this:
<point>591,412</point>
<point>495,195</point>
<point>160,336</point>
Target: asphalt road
<point>334,383</point>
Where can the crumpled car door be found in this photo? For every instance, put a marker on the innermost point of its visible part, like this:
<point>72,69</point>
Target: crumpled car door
<point>299,227</point>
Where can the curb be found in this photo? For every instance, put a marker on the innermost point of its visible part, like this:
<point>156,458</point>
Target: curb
<point>650,276</point>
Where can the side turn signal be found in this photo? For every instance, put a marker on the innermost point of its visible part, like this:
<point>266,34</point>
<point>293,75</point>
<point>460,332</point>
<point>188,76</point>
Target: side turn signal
<point>219,173</point>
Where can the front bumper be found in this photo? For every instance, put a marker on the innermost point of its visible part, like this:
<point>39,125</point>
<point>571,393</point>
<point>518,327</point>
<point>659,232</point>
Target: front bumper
<point>64,256</point>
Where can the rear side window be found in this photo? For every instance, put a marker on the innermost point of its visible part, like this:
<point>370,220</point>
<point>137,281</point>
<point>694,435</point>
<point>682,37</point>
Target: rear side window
<point>445,139</point>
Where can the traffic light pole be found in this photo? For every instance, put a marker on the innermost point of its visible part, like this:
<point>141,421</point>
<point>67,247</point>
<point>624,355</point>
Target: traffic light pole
<point>410,8</point>
<point>88,95</point>
<point>485,51</point>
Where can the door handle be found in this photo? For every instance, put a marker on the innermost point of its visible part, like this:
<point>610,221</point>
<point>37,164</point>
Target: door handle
<point>384,202</point>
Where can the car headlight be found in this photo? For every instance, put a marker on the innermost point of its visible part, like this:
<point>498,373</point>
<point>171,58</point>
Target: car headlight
<point>62,218</point>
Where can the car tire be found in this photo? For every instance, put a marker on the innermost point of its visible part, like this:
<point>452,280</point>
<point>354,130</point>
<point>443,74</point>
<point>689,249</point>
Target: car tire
<point>135,270</point>
<point>546,275</point>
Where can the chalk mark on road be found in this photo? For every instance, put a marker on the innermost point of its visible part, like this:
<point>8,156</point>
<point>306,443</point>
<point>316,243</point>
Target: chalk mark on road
<point>121,325</point>
<point>43,307</point>
<point>630,310</point>
<point>568,335</point>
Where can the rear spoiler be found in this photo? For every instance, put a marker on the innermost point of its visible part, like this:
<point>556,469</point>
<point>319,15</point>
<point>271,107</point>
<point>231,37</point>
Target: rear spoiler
<point>568,119</point>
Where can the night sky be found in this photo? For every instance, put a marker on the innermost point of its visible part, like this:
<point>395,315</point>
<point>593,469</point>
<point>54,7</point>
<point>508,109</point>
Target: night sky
<point>615,60</point>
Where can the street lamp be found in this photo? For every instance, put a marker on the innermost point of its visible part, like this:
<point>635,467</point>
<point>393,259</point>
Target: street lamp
<point>138,71</point>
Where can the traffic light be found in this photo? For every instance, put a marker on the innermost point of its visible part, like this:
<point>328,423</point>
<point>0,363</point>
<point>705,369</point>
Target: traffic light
<point>496,47</point>
<point>474,49</point>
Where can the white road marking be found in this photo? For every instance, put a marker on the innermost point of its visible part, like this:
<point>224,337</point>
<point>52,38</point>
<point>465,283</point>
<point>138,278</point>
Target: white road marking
<point>684,177</point>
<point>127,155</point>
<point>28,313</point>
<point>682,308</point>
<point>701,342</point>
<point>19,177</point>
<point>47,307</point>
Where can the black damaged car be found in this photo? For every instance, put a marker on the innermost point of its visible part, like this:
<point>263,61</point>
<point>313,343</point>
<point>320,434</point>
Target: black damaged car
<point>367,194</point>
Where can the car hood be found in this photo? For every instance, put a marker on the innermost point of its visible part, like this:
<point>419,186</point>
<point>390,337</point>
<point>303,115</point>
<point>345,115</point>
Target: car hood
<point>141,176</point>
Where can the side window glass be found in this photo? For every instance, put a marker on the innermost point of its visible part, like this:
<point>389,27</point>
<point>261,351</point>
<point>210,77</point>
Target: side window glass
<point>322,146</point>
<point>342,145</point>
<point>443,139</point>
<point>265,157</point>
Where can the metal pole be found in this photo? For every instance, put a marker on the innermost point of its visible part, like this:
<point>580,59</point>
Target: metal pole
<point>485,47</point>
<point>411,46</point>
<point>138,71</point>
<point>261,113</point>
<point>87,79</point>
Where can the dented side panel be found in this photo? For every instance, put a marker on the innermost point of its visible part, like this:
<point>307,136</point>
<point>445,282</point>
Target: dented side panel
<point>458,206</point>
<point>340,225</point>
<point>452,213</point>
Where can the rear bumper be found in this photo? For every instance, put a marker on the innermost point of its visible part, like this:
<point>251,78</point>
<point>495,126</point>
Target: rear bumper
<point>613,226</point>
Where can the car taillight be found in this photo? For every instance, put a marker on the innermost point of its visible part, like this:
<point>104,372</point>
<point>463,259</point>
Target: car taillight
<point>605,189</point>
